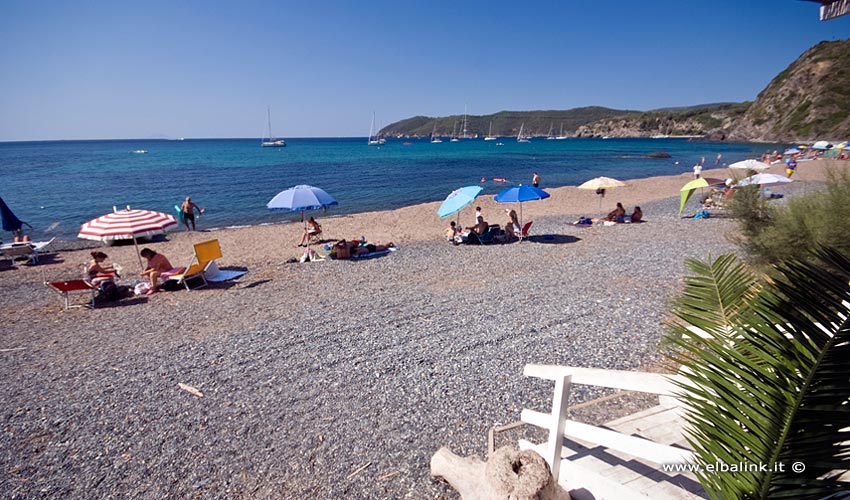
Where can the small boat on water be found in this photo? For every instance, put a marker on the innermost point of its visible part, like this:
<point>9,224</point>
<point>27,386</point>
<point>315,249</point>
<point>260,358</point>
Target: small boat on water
<point>519,137</point>
<point>377,141</point>
<point>140,152</point>
<point>272,142</point>
<point>561,135</point>
<point>434,138</point>
<point>490,136</point>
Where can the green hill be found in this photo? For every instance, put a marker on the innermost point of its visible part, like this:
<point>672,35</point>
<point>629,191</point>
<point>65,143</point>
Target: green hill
<point>505,123</point>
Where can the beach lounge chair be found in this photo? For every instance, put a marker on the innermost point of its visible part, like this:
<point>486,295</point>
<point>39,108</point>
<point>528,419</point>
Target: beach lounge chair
<point>17,251</point>
<point>524,233</point>
<point>203,267</point>
<point>29,249</point>
<point>66,287</point>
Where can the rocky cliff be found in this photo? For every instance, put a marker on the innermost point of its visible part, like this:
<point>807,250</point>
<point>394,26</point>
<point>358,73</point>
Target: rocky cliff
<point>808,101</point>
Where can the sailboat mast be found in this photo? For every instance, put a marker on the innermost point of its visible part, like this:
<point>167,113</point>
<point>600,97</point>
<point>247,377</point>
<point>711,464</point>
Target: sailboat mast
<point>269,113</point>
<point>464,121</point>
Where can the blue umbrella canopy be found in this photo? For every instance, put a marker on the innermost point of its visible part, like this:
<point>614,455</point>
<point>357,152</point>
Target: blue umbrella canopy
<point>301,197</point>
<point>10,222</point>
<point>521,193</point>
<point>458,199</point>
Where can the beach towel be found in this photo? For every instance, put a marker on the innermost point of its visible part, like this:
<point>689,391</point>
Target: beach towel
<point>371,255</point>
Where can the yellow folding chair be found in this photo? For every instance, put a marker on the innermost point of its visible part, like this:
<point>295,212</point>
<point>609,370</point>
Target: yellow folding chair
<point>204,255</point>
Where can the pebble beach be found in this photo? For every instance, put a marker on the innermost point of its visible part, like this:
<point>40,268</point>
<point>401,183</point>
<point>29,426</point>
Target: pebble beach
<point>335,379</point>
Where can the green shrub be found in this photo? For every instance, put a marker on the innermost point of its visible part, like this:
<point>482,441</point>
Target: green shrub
<point>771,234</point>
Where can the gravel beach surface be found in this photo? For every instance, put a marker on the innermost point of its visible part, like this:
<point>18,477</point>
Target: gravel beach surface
<point>335,379</point>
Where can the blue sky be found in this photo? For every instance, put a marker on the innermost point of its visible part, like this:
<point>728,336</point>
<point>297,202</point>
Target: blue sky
<point>86,70</point>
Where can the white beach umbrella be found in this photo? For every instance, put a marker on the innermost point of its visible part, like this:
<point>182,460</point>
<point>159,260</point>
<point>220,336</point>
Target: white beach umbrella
<point>754,165</point>
<point>764,180</point>
<point>127,224</point>
<point>601,183</point>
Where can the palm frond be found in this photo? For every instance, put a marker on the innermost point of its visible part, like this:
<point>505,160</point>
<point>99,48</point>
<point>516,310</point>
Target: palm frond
<point>770,385</point>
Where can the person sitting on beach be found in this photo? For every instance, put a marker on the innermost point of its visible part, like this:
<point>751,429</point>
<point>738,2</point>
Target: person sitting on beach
<point>97,271</point>
<point>637,215</point>
<point>480,226</point>
<point>512,225</point>
<point>452,231</point>
<point>475,232</point>
<point>616,215</point>
<point>157,264</point>
<point>312,228</point>
<point>188,209</point>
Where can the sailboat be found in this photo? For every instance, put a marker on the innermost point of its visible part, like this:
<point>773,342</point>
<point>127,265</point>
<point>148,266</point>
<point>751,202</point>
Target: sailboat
<point>519,137</point>
<point>454,134</point>
<point>549,136</point>
<point>272,142</point>
<point>434,138</point>
<point>490,136</point>
<point>561,135</point>
<point>376,141</point>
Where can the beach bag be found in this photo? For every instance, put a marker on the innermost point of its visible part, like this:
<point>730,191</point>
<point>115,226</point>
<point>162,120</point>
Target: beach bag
<point>109,291</point>
<point>342,251</point>
<point>141,288</point>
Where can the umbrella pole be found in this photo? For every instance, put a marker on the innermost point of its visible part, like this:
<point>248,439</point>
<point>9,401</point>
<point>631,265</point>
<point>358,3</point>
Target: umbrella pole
<point>139,255</point>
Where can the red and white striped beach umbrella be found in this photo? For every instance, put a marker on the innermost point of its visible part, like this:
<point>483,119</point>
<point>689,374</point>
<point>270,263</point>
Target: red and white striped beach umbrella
<point>127,224</point>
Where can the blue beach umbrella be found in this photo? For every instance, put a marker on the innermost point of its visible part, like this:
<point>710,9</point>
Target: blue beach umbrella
<point>458,199</point>
<point>519,194</point>
<point>301,198</point>
<point>10,222</point>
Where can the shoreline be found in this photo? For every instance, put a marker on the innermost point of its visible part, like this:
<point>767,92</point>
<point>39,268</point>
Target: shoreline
<point>564,201</point>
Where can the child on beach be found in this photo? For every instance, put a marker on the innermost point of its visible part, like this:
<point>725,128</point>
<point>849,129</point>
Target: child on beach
<point>452,231</point>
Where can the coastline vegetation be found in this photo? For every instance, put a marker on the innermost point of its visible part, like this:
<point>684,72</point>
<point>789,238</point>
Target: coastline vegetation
<point>772,234</point>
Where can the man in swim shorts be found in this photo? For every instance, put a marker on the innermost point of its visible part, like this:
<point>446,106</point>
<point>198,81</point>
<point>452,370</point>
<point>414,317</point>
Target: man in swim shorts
<point>188,208</point>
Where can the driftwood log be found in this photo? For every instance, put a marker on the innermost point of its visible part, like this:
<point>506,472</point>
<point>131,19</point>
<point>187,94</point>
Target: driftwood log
<point>509,474</point>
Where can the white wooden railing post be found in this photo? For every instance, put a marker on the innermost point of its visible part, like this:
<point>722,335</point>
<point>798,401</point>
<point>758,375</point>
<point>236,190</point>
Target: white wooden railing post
<point>560,401</point>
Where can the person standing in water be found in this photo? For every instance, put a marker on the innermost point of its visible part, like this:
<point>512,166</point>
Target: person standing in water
<point>535,180</point>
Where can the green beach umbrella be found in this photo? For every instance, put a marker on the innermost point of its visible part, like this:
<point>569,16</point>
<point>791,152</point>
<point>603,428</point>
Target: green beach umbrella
<point>689,188</point>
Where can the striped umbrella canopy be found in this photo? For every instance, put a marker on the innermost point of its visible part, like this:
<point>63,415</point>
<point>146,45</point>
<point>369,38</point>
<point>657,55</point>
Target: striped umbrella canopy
<point>127,224</point>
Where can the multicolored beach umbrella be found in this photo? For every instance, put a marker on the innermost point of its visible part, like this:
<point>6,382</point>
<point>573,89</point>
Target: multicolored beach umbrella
<point>125,225</point>
<point>458,199</point>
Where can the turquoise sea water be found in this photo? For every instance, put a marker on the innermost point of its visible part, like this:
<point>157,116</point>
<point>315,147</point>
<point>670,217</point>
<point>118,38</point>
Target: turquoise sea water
<point>71,182</point>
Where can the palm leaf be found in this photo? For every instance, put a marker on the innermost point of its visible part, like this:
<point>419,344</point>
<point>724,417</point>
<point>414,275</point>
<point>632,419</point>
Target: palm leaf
<point>771,384</point>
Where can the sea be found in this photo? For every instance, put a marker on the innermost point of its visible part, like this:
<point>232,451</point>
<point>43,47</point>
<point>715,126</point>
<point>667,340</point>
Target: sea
<point>56,186</point>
